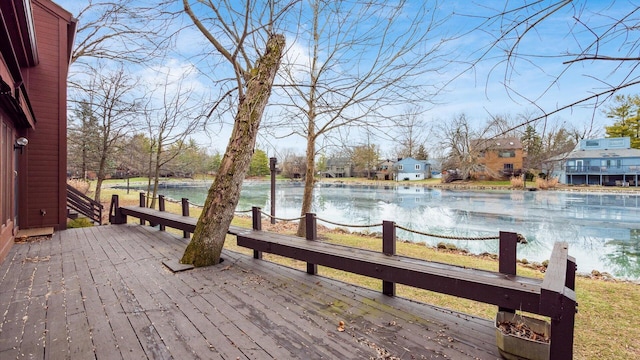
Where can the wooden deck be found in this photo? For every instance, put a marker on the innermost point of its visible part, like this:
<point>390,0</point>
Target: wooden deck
<point>103,293</point>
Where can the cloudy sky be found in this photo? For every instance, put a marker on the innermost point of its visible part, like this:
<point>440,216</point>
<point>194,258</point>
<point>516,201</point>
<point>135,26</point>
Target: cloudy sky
<point>533,82</point>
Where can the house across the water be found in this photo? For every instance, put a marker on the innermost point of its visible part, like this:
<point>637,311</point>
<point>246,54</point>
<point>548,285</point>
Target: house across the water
<point>606,161</point>
<point>410,169</point>
<point>501,158</point>
<point>339,167</point>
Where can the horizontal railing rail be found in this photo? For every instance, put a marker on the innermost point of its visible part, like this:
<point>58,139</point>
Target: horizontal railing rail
<point>161,218</point>
<point>591,169</point>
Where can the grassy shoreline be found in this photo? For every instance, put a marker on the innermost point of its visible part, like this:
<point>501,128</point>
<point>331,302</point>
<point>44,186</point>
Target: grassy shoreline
<point>606,323</point>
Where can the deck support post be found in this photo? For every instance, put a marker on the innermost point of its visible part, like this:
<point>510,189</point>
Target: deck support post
<point>563,307</point>
<point>115,215</point>
<point>142,203</point>
<point>562,328</point>
<point>185,212</point>
<point>256,222</point>
<point>389,248</point>
<point>161,208</point>
<point>311,235</point>
<point>507,257</point>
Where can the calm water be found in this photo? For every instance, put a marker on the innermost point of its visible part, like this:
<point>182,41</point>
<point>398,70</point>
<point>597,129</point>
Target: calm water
<point>603,230</point>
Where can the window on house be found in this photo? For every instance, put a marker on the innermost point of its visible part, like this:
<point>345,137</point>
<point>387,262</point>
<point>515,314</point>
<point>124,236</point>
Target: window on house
<point>592,143</point>
<point>507,154</point>
<point>615,143</point>
<point>508,167</point>
<point>613,163</point>
<point>417,166</point>
<point>399,167</point>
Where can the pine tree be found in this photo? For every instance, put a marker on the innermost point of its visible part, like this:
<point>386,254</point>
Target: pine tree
<point>627,119</point>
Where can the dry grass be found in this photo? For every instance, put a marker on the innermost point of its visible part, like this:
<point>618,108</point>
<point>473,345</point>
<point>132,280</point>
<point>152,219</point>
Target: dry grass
<point>545,184</point>
<point>80,185</point>
<point>517,182</point>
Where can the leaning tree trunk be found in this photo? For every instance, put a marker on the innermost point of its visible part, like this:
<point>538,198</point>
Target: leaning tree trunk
<point>211,230</point>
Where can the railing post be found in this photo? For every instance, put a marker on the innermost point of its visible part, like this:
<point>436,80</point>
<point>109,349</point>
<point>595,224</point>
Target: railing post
<point>143,203</point>
<point>388,248</point>
<point>161,208</point>
<point>507,257</point>
<point>115,215</point>
<point>185,212</point>
<point>311,235</point>
<point>256,222</point>
<point>558,301</point>
<point>561,345</point>
<point>562,329</point>
<point>570,280</point>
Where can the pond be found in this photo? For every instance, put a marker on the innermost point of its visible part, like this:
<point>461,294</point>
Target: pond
<point>603,230</point>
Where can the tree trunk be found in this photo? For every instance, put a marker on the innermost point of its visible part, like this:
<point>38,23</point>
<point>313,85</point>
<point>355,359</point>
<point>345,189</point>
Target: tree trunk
<point>309,181</point>
<point>149,175</point>
<point>100,178</point>
<point>156,176</point>
<point>211,230</point>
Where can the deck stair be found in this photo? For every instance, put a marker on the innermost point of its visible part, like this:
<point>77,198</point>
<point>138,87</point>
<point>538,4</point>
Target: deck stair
<point>79,203</point>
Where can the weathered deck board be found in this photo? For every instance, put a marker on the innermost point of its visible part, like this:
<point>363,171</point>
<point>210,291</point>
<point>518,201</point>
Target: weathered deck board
<point>373,312</point>
<point>104,293</point>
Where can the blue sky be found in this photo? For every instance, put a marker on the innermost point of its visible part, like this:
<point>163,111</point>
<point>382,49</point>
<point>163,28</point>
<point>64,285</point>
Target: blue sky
<point>485,90</point>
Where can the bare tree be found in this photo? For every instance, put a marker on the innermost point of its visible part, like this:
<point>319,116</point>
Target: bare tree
<point>602,48</point>
<point>121,31</point>
<point>172,114</point>
<point>112,35</point>
<point>111,99</point>
<point>353,62</point>
<point>243,35</point>
<point>504,125</point>
<point>410,131</point>
<point>461,141</point>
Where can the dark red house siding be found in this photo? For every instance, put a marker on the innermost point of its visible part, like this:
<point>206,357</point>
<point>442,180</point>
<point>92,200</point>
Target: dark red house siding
<point>34,68</point>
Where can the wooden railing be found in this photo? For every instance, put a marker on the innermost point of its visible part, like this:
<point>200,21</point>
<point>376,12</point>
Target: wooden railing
<point>86,206</point>
<point>593,169</point>
<point>118,215</point>
<point>553,296</point>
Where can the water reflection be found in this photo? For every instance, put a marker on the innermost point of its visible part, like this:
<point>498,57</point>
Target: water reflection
<point>602,229</point>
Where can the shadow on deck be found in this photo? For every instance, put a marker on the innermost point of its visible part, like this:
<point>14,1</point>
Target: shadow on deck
<point>102,292</point>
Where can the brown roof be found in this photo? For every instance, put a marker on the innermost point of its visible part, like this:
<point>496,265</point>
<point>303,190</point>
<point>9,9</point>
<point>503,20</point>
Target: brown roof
<point>497,144</point>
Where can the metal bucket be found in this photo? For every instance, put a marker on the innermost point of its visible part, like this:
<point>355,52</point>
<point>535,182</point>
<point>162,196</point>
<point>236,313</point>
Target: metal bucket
<point>514,347</point>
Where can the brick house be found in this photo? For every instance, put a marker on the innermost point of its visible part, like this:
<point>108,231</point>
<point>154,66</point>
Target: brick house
<point>36,40</point>
<point>501,158</point>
